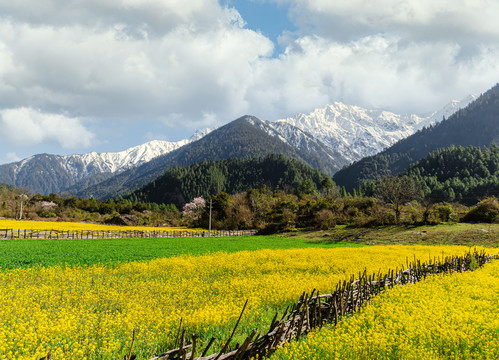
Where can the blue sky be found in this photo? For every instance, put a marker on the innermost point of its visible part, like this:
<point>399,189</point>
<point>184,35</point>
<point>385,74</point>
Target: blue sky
<point>271,19</point>
<point>103,76</point>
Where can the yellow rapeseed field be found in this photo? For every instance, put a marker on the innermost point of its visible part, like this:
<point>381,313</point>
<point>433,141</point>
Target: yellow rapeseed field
<point>445,317</point>
<point>78,226</point>
<point>90,312</point>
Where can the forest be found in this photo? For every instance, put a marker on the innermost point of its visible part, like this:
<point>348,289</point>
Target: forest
<point>458,174</point>
<point>180,185</point>
<point>274,193</point>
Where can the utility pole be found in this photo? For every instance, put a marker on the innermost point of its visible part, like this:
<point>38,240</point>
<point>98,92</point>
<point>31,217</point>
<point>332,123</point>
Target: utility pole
<point>22,197</point>
<point>209,226</point>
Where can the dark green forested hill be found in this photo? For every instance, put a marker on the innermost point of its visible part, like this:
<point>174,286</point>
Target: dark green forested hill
<point>181,184</point>
<point>477,125</point>
<point>458,174</point>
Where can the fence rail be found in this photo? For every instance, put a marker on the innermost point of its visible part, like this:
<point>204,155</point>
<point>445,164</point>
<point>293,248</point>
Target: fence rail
<point>115,234</point>
<point>314,310</point>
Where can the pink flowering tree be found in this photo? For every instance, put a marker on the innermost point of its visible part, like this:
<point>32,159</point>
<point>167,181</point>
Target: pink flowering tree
<point>194,209</point>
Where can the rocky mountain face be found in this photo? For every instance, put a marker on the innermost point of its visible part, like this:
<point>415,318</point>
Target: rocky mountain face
<point>244,138</point>
<point>326,139</point>
<point>355,132</point>
<point>474,125</point>
<point>44,173</point>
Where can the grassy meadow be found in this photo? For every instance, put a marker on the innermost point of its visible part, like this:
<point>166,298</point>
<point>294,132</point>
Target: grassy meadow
<point>81,299</point>
<point>442,234</point>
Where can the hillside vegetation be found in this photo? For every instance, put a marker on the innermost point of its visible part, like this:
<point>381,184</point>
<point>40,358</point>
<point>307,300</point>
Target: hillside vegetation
<point>180,185</point>
<point>476,125</point>
<point>458,174</point>
<point>241,138</point>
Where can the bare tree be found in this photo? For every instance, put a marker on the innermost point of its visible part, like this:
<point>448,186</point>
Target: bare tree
<point>397,191</point>
<point>22,198</point>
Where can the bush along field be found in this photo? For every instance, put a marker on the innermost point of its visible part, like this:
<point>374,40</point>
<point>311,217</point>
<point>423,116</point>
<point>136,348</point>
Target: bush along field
<point>263,209</point>
<point>91,311</point>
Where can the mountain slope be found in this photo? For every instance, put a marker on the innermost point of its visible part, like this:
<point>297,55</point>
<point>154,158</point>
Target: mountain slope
<point>180,185</point>
<point>244,138</point>
<point>477,125</point>
<point>44,173</point>
<point>356,132</point>
<point>458,174</point>
<point>327,139</point>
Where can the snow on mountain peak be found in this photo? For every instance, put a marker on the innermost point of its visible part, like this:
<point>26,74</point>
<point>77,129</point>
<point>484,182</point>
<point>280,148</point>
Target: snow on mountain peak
<point>201,133</point>
<point>81,166</point>
<point>357,132</point>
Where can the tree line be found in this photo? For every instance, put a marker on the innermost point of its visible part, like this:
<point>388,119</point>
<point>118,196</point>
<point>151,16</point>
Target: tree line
<point>274,193</point>
<point>181,184</point>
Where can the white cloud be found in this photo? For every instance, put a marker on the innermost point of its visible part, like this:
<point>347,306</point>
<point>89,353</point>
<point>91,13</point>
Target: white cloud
<point>430,19</point>
<point>407,56</point>
<point>155,17</point>
<point>193,63</point>
<point>102,72</point>
<point>374,71</point>
<point>29,127</point>
<point>11,157</point>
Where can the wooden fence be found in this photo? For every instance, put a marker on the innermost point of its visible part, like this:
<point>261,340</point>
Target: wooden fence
<point>115,234</point>
<point>314,310</point>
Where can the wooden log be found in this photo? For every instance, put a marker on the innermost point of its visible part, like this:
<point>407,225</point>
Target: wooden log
<point>240,352</point>
<point>171,354</point>
<point>182,351</point>
<point>178,332</point>
<point>212,340</point>
<point>194,339</point>
<point>226,345</point>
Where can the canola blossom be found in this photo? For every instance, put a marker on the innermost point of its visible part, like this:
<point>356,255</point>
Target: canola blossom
<point>444,317</point>
<point>90,312</point>
<point>79,226</point>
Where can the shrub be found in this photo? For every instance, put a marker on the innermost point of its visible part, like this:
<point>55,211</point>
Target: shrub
<point>445,212</point>
<point>486,211</point>
<point>325,219</point>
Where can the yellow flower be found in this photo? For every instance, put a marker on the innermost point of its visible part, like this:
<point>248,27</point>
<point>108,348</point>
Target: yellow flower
<point>60,308</point>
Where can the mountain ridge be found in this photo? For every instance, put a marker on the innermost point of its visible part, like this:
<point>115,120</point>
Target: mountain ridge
<point>246,137</point>
<point>357,132</point>
<point>69,170</point>
<point>327,139</point>
<point>181,184</point>
<point>477,125</point>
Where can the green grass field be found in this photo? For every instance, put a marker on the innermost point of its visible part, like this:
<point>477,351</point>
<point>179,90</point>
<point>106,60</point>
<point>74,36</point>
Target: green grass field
<point>443,234</point>
<point>27,253</point>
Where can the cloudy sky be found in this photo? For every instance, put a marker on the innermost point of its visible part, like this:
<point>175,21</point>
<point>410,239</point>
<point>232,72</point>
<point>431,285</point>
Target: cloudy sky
<point>94,75</point>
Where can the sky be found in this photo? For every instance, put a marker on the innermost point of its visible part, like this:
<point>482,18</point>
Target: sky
<point>91,75</point>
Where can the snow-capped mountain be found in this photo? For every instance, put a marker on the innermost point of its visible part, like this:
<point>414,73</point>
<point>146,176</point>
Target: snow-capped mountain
<point>45,173</point>
<point>356,132</point>
<point>304,142</point>
<point>327,139</point>
<point>243,138</point>
<point>446,111</point>
<point>90,163</point>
